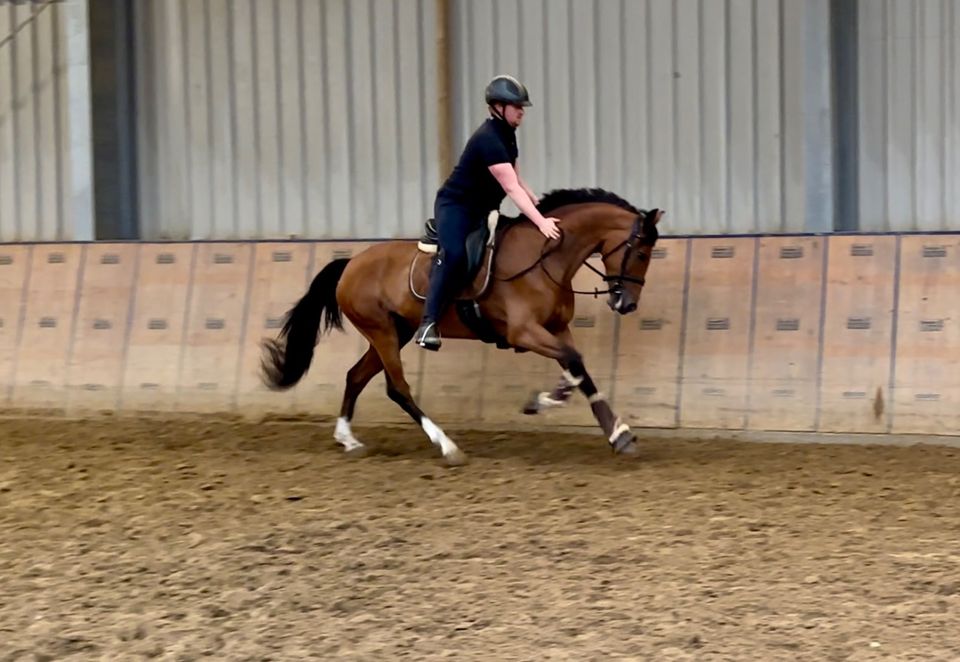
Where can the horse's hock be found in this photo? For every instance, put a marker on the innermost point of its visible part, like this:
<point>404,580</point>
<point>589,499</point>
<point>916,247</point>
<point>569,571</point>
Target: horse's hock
<point>802,333</point>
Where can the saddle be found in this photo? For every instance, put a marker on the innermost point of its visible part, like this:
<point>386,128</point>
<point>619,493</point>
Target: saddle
<point>482,245</point>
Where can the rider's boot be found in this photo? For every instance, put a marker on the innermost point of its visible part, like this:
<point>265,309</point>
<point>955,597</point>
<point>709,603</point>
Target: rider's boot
<point>428,335</point>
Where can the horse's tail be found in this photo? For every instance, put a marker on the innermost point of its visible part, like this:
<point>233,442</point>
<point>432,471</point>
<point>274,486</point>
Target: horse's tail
<point>288,357</point>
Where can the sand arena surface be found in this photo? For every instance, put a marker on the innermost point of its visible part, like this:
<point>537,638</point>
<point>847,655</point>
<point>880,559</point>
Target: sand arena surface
<point>184,538</point>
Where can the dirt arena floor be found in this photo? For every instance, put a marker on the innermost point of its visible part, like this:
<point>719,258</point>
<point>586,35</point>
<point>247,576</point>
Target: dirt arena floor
<point>189,539</point>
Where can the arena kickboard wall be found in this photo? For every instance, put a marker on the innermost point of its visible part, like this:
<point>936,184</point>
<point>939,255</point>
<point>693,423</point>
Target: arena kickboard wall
<point>835,333</point>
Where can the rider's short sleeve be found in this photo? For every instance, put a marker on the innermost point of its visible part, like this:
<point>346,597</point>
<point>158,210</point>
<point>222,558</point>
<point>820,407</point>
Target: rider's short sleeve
<point>493,151</point>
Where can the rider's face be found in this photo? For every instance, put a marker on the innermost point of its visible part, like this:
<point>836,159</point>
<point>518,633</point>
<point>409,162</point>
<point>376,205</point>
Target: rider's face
<point>513,115</point>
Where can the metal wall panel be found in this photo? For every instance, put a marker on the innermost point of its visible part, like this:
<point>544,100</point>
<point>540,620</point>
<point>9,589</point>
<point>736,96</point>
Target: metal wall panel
<point>715,111</point>
<point>286,118</point>
<point>909,115</point>
<point>43,95</point>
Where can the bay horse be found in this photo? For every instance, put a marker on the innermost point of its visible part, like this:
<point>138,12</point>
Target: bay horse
<point>521,299</point>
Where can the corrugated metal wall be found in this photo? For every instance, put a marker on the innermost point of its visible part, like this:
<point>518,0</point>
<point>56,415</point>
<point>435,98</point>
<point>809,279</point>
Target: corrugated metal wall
<point>286,118</point>
<point>909,111</point>
<point>707,109</point>
<point>39,173</point>
<point>274,118</point>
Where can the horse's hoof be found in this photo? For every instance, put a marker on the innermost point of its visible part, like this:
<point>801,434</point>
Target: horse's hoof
<point>625,444</point>
<point>456,458</point>
<point>356,452</point>
<point>533,406</point>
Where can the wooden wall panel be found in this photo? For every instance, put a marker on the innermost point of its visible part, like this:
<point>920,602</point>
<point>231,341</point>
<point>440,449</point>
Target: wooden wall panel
<point>40,377</point>
<point>151,373</point>
<point>648,356</point>
<point>785,353</point>
<point>927,361</point>
<point>716,347</point>
<point>281,275</point>
<point>14,272</point>
<point>729,328</point>
<point>855,379</point>
<point>215,324</point>
<point>95,369</point>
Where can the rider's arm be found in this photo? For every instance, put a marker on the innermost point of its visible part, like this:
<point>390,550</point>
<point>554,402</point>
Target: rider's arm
<point>533,196</point>
<point>507,176</point>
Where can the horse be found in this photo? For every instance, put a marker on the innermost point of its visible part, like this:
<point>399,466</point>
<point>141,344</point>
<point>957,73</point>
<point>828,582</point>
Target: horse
<point>516,293</point>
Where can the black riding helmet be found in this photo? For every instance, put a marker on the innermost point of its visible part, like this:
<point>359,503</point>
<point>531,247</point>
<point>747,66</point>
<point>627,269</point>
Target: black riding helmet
<point>508,90</point>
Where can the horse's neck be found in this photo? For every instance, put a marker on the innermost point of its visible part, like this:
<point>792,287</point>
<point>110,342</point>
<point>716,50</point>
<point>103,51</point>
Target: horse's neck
<point>585,229</point>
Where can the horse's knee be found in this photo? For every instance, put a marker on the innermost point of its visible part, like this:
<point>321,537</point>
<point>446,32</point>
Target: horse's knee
<point>574,362</point>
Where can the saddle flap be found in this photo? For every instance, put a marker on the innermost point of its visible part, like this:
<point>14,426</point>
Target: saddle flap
<point>476,247</point>
<point>478,241</point>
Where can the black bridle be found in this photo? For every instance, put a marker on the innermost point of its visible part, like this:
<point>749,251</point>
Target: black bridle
<point>629,246</point>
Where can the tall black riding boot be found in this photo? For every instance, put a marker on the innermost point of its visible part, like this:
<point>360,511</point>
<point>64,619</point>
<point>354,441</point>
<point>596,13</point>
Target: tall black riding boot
<point>428,335</point>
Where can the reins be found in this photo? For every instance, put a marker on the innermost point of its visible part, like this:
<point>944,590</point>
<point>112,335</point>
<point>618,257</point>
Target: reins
<point>618,280</point>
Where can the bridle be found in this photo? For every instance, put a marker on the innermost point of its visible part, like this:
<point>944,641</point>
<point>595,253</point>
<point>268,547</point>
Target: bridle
<point>629,246</point>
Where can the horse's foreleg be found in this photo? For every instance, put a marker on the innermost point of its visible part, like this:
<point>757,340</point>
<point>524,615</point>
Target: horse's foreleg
<point>561,393</point>
<point>357,378</point>
<point>556,398</point>
<point>560,347</point>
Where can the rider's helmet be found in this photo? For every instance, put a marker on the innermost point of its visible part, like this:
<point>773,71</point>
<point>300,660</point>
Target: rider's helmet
<point>508,90</point>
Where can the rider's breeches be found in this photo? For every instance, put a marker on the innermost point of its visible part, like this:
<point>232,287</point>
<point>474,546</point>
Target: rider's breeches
<point>454,223</point>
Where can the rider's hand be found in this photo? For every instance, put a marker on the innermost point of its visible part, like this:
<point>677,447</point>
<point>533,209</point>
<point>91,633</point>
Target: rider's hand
<point>549,228</point>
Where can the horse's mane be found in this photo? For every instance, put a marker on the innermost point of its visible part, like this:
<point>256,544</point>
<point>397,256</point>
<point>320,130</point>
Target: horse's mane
<point>574,196</point>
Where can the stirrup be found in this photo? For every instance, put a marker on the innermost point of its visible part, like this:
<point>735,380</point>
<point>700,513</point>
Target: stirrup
<point>428,336</point>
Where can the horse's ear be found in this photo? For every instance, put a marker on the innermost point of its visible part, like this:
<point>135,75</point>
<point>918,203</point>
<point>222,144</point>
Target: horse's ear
<point>654,215</point>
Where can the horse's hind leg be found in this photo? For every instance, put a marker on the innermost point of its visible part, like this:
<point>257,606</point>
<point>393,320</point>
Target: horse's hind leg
<point>388,344</point>
<point>357,378</point>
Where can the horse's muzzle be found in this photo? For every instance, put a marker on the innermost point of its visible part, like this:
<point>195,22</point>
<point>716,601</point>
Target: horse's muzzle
<point>621,303</point>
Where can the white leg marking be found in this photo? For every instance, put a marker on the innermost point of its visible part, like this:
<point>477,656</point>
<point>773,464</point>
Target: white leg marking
<point>344,435</point>
<point>596,397</point>
<point>544,401</point>
<point>573,381</point>
<point>619,428</point>
<point>438,437</point>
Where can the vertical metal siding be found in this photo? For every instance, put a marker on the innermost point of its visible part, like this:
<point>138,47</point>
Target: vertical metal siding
<point>701,108</point>
<point>909,140</point>
<point>286,118</point>
<point>34,123</point>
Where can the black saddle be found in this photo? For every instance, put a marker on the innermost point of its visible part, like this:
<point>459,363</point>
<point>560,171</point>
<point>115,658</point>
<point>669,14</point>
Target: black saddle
<point>476,246</point>
<point>477,242</point>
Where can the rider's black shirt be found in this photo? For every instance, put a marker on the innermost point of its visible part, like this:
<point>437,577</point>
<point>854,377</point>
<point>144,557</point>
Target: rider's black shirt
<point>471,184</point>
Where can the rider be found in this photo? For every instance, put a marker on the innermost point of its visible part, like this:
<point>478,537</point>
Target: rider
<point>485,173</point>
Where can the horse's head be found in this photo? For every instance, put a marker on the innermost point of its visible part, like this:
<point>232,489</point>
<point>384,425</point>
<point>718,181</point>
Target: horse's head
<point>627,258</point>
